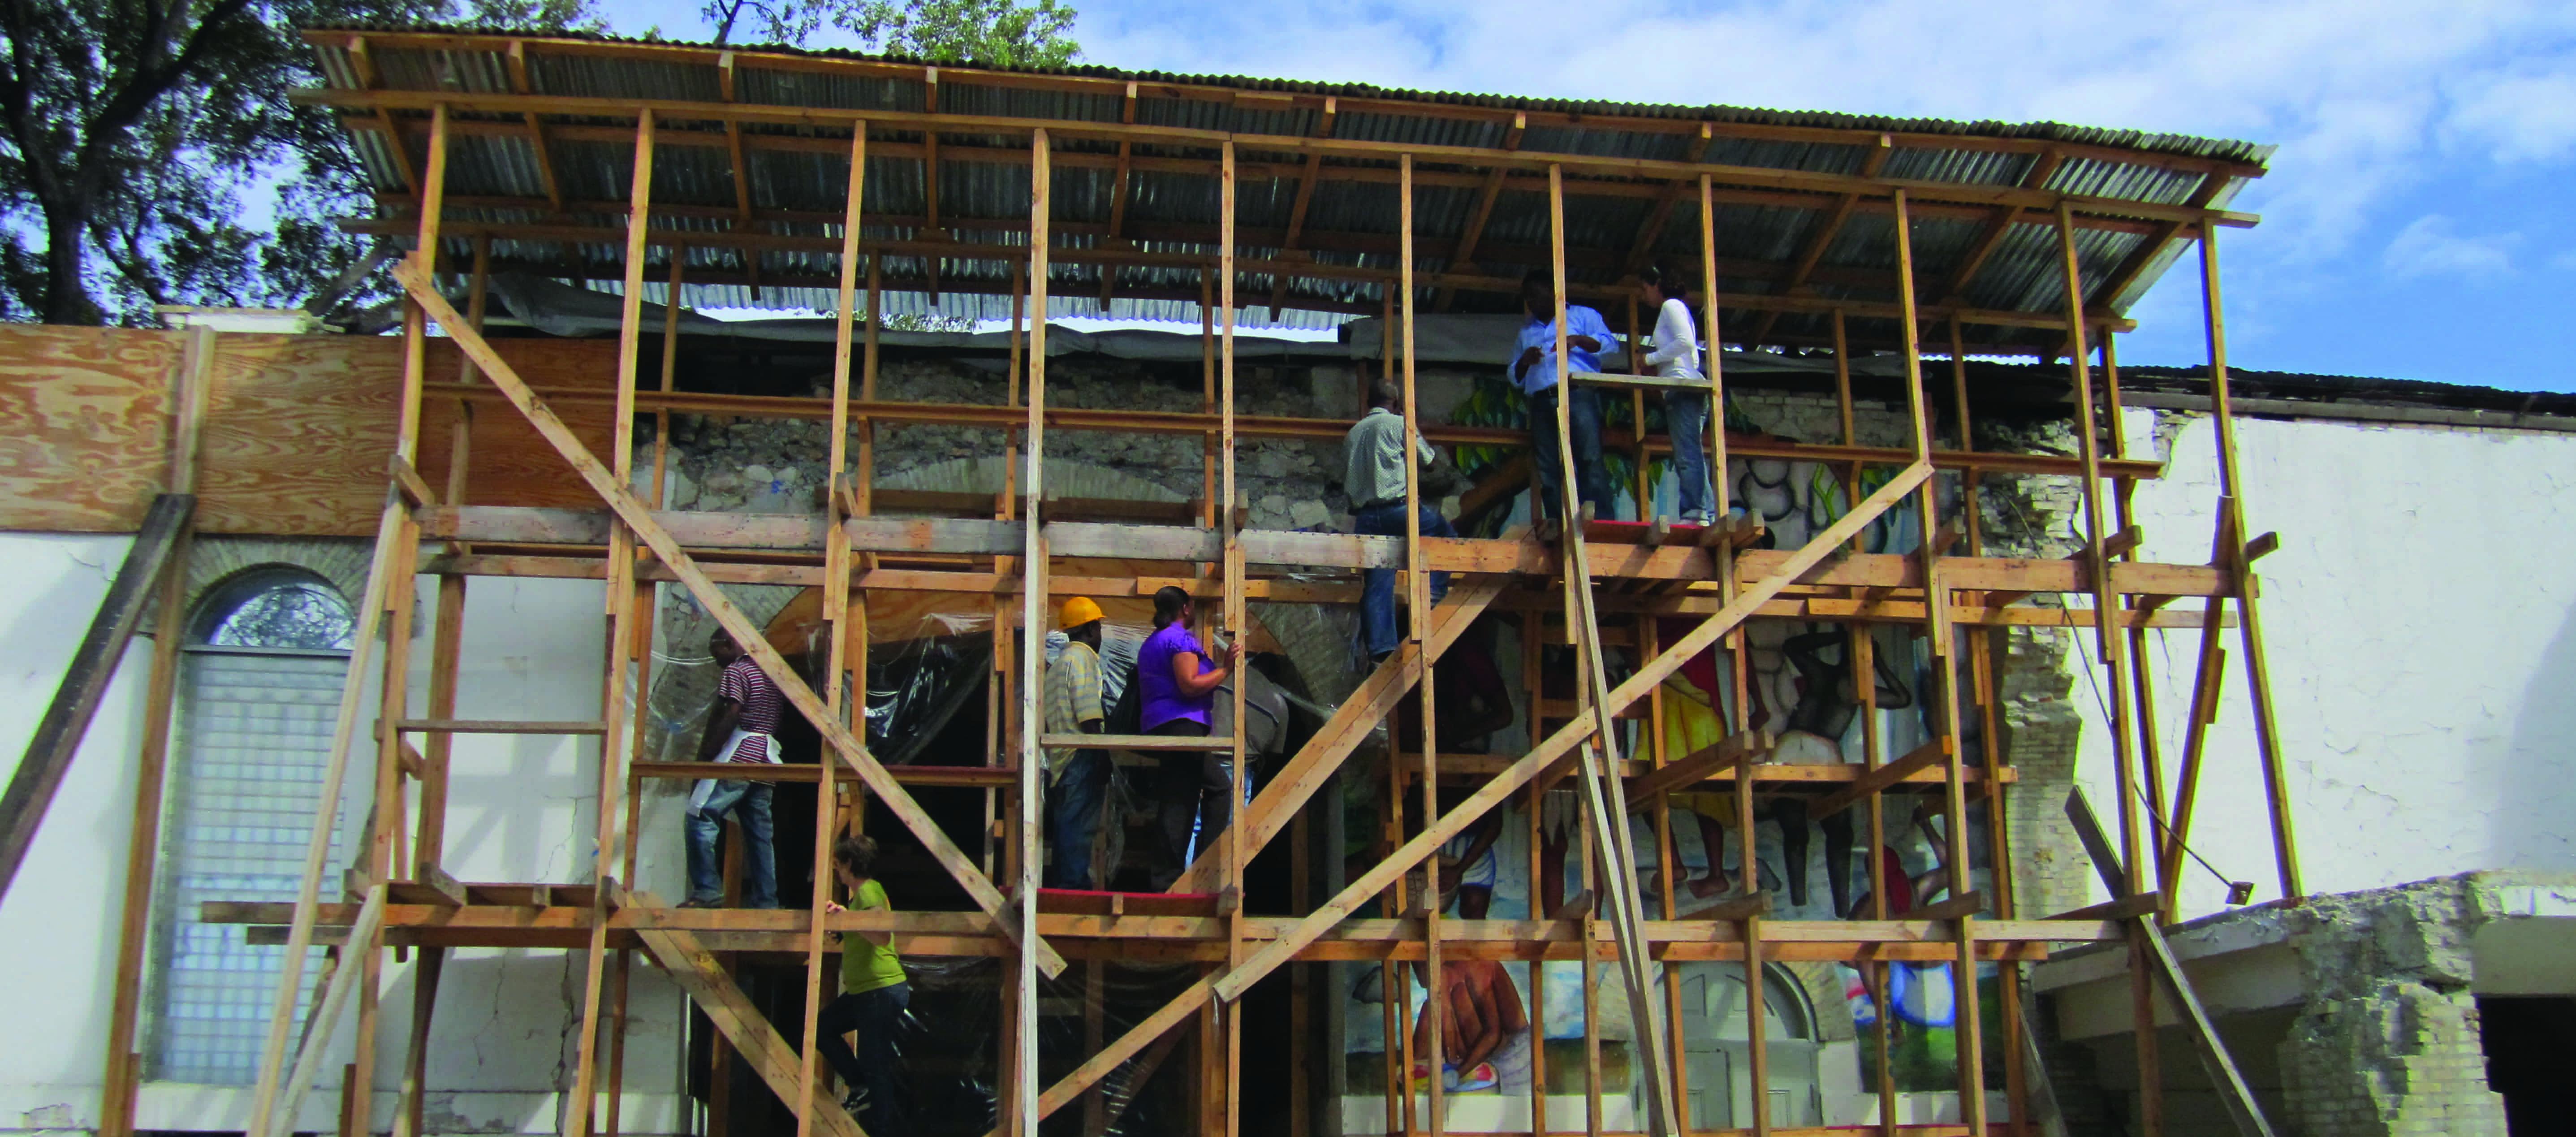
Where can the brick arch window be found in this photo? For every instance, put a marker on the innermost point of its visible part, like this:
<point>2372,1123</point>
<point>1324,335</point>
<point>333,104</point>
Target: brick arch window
<point>267,654</point>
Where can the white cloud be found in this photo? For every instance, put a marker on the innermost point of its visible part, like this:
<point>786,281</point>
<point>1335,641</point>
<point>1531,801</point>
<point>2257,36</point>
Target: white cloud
<point>2429,247</point>
<point>2356,93</point>
<point>2527,114</point>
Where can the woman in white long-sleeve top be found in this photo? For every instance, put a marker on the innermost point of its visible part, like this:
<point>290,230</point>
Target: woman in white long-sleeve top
<point>1675,355</point>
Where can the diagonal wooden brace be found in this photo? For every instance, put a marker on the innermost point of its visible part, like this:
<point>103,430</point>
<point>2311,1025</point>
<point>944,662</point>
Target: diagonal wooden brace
<point>1376,698</point>
<point>639,518</point>
<point>1529,766</point>
<point>696,972</point>
<point>1520,773</point>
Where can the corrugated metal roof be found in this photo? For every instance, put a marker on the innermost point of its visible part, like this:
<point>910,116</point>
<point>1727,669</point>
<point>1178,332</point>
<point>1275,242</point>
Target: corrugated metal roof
<point>496,171</point>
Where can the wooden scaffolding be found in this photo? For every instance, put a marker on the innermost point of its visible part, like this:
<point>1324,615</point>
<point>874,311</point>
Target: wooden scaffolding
<point>1588,586</point>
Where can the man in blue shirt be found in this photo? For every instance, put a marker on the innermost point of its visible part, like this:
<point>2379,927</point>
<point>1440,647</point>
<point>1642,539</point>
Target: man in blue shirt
<point>1535,370</point>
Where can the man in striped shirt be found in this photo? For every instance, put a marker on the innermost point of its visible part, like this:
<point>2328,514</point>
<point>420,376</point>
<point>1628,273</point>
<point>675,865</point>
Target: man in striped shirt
<point>742,728</point>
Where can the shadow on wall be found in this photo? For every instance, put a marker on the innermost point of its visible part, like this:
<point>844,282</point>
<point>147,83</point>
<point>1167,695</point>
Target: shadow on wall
<point>2537,791</point>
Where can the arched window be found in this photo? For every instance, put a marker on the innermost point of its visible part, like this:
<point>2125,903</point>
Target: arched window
<point>275,608</point>
<point>259,694</point>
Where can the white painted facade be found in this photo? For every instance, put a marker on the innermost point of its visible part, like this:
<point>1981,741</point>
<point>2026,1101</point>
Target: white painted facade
<point>2421,636</point>
<point>2419,622</point>
<point>521,809</point>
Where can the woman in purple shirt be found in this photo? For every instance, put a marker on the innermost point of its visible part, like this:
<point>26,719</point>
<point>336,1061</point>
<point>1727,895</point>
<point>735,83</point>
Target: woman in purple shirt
<point>1177,684</point>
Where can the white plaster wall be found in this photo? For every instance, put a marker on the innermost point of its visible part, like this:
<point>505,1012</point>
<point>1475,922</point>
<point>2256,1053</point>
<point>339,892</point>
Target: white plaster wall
<point>2420,626</point>
<point>522,808</point>
<point>58,923</point>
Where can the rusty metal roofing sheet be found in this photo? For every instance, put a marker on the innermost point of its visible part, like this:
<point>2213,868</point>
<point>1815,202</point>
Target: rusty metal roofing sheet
<point>983,194</point>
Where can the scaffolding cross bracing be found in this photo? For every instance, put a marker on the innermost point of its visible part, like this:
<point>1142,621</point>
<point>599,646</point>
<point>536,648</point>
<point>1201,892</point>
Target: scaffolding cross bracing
<point>1606,593</point>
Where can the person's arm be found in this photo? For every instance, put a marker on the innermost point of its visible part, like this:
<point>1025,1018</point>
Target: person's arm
<point>1673,335</point>
<point>1587,331</point>
<point>1529,358</point>
<point>1194,682</point>
<point>1088,716</point>
<point>720,725</point>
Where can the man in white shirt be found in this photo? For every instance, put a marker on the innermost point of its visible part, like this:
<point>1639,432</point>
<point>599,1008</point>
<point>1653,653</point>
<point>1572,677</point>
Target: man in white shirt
<point>1676,356</point>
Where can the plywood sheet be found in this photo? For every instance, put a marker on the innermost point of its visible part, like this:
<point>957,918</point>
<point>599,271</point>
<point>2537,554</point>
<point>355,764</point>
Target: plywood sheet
<point>299,430</point>
<point>84,426</point>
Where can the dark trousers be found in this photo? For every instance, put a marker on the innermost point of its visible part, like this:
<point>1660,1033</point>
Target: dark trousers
<point>1377,585</point>
<point>1583,436</point>
<point>1194,798</point>
<point>875,1069</point>
<point>1073,818</point>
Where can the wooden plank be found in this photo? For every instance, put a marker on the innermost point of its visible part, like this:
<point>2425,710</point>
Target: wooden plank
<point>696,972</point>
<point>89,415</point>
<point>2267,731</point>
<point>1297,781</point>
<point>325,1019</point>
<point>2233,1093</point>
<point>714,600</point>
<point>1148,742</point>
<point>1919,760</point>
<point>123,1067</point>
<point>415,1075</point>
<point>93,665</point>
<point>1699,765</point>
<point>1565,738</point>
<point>499,726</point>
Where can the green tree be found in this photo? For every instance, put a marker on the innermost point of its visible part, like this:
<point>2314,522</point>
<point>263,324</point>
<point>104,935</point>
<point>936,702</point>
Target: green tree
<point>149,154</point>
<point>993,33</point>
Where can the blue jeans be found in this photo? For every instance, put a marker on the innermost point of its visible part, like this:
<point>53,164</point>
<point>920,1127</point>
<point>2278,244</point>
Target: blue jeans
<point>749,803</point>
<point>1686,420</point>
<point>1073,818</point>
<point>1377,585</point>
<point>1583,419</point>
<point>876,1067</point>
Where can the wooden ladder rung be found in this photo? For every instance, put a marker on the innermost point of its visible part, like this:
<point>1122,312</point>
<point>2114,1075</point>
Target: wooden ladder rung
<point>1135,742</point>
<point>500,726</point>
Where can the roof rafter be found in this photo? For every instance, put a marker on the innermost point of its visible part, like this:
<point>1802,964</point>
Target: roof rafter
<point>1574,165</point>
<point>1216,91</point>
<point>1827,228</point>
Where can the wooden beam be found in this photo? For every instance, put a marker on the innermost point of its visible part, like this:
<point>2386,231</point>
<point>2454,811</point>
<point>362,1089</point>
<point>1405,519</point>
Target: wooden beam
<point>1821,238</point>
<point>325,1018</point>
<point>1996,229</point>
<point>696,972</point>
<point>1185,93</point>
<point>1352,723</point>
<point>517,59</point>
<point>2233,1094</point>
<point>633,512</point>
<point>66,719</point>
<point>1651,170</point>
<point>1699,766</point>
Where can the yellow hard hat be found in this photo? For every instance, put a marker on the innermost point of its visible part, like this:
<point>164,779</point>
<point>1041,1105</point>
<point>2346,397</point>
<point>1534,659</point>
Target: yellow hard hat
<point>1079,611</point>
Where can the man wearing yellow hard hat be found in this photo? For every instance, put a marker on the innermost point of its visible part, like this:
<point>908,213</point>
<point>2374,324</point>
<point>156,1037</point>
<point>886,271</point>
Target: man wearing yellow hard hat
<point>1076,779</point>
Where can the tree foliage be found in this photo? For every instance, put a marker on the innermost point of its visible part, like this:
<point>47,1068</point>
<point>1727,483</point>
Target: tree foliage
<point>993,33</point>
<point>149,153</point>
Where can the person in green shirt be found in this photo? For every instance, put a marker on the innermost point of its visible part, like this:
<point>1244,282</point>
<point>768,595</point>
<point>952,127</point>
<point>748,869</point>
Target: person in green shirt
<point>874,1002</point>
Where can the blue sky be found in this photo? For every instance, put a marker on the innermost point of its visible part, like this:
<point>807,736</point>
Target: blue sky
<point>2416,219</point>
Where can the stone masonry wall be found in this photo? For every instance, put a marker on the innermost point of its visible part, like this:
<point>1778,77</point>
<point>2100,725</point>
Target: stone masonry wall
<point>2388,1043</point>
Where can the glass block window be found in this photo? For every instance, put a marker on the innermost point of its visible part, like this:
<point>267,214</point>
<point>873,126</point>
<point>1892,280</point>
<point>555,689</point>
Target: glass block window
<point>260,689</point>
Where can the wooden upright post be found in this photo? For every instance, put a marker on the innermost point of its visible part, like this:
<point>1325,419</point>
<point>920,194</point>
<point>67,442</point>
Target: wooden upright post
<point>276,1097</point>
<point>1020,1116</point>
<point>621,616</point>
<point>836,595</point>
<point>2249,624</point>
<point>1604,805</point>
<point>1417,602</point>
<point>124,1065</point>
<point>2113,654</point>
